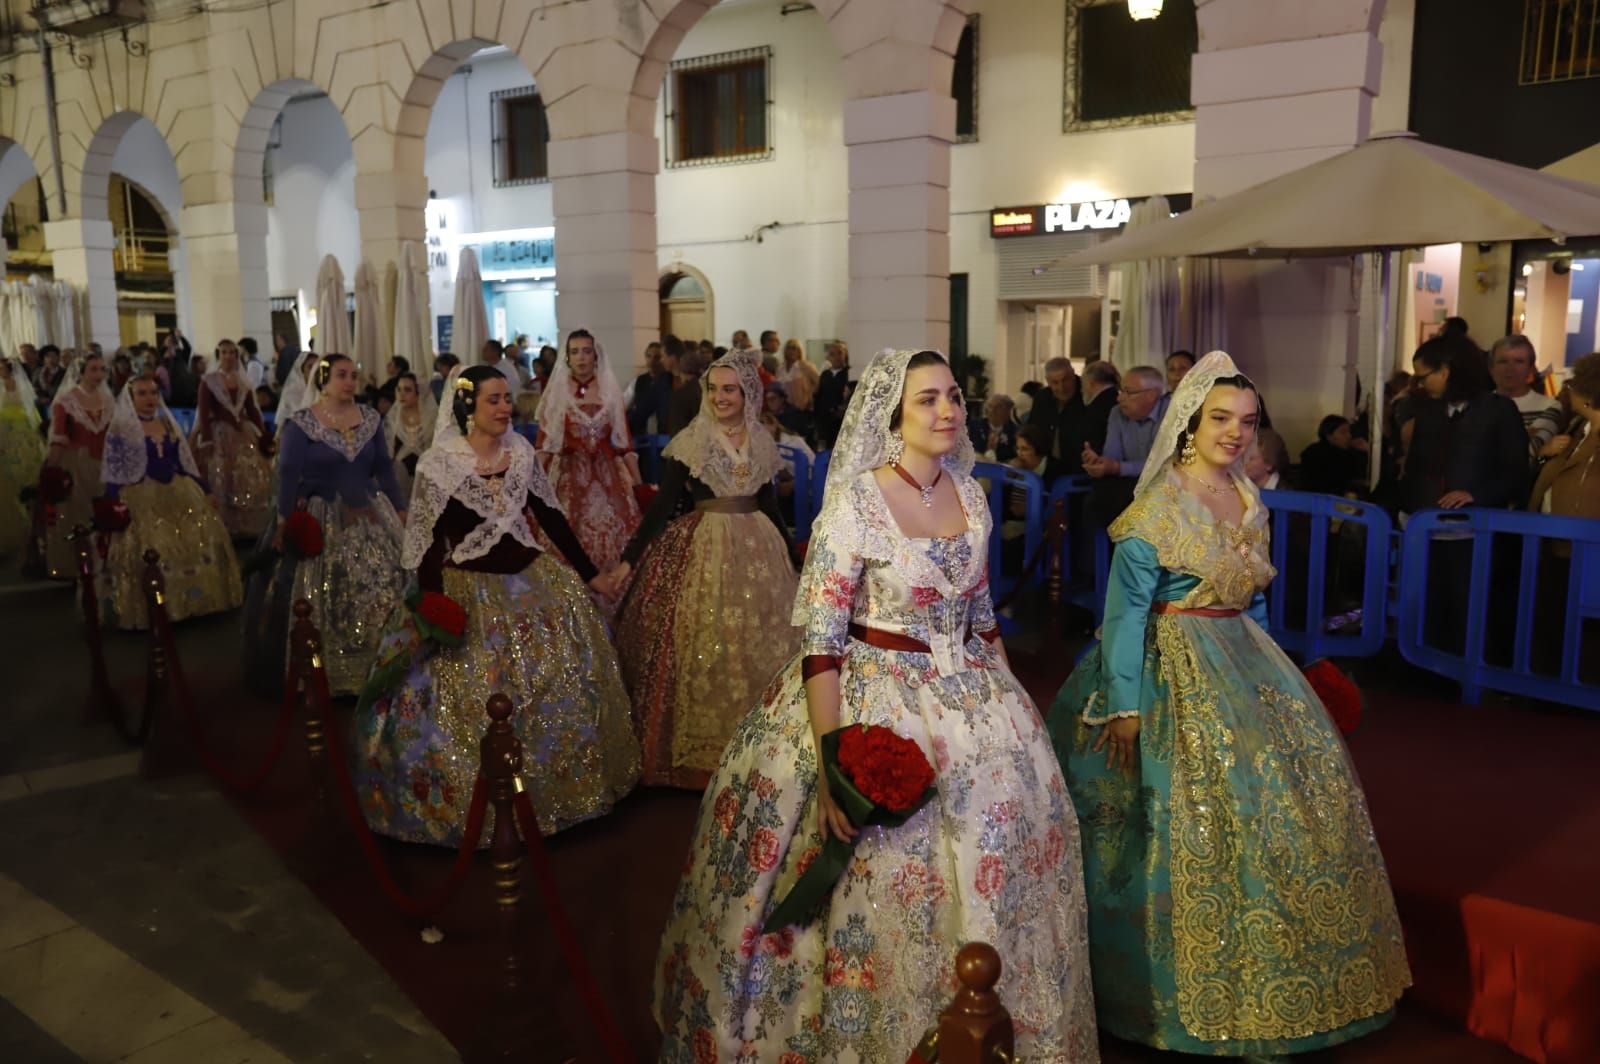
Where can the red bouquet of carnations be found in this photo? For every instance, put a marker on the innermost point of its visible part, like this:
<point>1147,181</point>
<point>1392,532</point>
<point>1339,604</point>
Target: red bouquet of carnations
<point>55,484</point>
<point>1338,693</point>
<point>438,617</point>
<point>111,515</point>
<point>303,533</point>
<point>876,777</point>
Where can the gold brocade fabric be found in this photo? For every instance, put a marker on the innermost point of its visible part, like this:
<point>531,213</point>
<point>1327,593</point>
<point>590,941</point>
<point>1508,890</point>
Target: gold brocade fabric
<point>61,554</point>
<point>352,585</point>
<point>535,637</point>
<point>720,599</point>
<point>1231,563</point>
<point>197,560</point>
<point>241,479</point>
<point>1283,923</point>
<point>21,454</point>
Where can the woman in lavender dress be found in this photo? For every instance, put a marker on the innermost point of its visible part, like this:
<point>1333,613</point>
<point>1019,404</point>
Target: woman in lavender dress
<point>333,462</point>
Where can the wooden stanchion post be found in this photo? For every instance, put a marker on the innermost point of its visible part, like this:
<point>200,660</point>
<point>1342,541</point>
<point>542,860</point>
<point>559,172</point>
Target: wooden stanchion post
<point>166,749</point>
<point>504,1033</point>
<point>976,1028</point>
<point>103,702</point>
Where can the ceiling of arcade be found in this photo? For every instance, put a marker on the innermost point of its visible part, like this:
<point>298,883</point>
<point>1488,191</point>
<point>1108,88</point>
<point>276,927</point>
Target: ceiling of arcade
<point>213,81</point>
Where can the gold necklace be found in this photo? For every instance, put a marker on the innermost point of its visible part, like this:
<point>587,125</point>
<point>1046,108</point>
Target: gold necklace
<point>1204,484</point>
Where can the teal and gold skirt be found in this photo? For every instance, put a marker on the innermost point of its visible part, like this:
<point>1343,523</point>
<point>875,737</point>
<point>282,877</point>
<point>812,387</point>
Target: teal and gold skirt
<point>534,636</point>
<point>1238,902</point>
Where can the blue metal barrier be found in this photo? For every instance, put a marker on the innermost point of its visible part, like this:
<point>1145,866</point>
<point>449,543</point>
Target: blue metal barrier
<point>269,418</point>
<point>1535,535</point>
<point>819,479</point>
<point>1080,587</point>
<point>804,513</point>
<point>649,449</point>
<point>1308,634</point>
<point>529,431</point>
<point>1003,481</point>
<point>184,416</point>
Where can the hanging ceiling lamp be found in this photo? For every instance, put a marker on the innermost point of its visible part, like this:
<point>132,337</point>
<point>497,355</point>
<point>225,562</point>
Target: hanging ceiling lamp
<point>1143,9</point>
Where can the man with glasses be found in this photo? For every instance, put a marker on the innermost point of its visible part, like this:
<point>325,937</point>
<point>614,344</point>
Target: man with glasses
<point>1130,432</point>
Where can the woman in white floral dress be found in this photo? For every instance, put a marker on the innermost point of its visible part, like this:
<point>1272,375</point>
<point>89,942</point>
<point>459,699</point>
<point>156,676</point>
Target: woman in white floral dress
<point>899,632</point>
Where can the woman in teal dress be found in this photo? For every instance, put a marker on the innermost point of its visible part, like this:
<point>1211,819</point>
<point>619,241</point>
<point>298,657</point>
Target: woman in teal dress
<point>1238,902</point>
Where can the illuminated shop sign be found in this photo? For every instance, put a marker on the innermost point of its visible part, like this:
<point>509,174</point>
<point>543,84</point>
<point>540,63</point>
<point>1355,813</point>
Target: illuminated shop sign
<point>1102,214</point>
<point>514,254</point>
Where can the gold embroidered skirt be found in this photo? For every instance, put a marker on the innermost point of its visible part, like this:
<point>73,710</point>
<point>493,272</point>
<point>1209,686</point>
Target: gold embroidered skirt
<point>534,636</point>
<point>198,565</point>
<point>702,632</point>
<point>61,555</point>
<point>21,454</point>
<point>240,478</point>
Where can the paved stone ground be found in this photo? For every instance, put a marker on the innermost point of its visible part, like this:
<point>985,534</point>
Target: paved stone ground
<point>147,922</point>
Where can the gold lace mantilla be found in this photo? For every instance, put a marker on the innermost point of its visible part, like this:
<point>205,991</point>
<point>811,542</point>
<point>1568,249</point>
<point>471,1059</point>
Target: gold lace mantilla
<point>1231,563</point>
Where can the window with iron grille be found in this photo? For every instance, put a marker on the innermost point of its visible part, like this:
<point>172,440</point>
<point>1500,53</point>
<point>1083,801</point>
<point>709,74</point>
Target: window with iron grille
<point>521,135</point>
<point>1122,72</point>
<point>964,83</point>
<point>719,109</point>
<point>1558,41</point>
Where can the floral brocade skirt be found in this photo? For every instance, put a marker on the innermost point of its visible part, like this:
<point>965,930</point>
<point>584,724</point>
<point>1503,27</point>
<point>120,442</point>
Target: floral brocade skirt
<point>352,586</point>
<point>535,637</point>
<point>597,497</point>
<point>241,478</point>
<point>61,555</point>
<point>1238,902</point>
<point>993,857</point>
<point>702,632</point>
<point>21,454</point>
<point>198,566</point>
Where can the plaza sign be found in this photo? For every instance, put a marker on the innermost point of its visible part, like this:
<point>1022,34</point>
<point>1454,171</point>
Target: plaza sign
<point>1059,218</point>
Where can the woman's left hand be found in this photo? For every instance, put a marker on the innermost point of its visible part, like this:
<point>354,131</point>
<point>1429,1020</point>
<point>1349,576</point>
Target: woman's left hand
<point>1455,500</point>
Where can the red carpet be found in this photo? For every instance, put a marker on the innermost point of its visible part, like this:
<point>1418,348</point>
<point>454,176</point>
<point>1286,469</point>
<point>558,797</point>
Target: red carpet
<point>1489,819</point>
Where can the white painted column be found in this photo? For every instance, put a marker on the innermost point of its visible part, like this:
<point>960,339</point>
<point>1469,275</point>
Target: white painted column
<point>603,189</point>
<point>81,251</point>
<point>226,249</point>
<point>1278,85</point>
<point>899,149</point>
<point>393,210</point>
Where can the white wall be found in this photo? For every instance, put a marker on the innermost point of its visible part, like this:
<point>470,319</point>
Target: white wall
<point>15,169</point>
<point>313,211</point>
<point>1021,157</point>
<point>142,156</point>
<point>796,280</point>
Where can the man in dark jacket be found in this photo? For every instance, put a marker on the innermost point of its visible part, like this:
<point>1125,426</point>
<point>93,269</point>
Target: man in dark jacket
<point>684,402</point>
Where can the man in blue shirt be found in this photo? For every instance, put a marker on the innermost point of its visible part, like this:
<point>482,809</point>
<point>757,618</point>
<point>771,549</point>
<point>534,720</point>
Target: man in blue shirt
<point>1141,404</point>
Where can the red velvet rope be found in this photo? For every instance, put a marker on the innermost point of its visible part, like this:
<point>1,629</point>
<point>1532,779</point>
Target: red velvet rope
<point>538,860</point>
<point>191,718</point>
<point>346,789</point>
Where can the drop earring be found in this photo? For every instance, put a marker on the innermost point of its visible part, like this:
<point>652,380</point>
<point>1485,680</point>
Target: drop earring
<point>1187,455</point>
<point>896,449</point>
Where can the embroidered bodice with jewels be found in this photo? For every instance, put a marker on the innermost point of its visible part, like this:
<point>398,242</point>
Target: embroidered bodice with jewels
<point>315,460</point>
<point>1231,563</point>
<point>861,568</point>
<point>587,430</point>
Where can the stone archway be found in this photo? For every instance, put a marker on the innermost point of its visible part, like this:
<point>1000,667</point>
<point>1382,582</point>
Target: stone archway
<point>20,234</point>
<point>688,303</point>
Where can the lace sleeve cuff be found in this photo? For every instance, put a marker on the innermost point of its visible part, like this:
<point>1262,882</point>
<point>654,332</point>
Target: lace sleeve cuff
<point>1095,711</point>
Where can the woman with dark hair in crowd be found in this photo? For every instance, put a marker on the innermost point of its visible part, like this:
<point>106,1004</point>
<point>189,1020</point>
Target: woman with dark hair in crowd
<point>1228,852</point>
<point>529,632</point>
<point>1337,463</point>
<point>900,635</point>
<point>333,464</point>
<point>1465,445</point>
<point>227,434</point>
<point>148,467</point>
<point>705,625</point>
<point>587,452</point>
<point>408,428</point>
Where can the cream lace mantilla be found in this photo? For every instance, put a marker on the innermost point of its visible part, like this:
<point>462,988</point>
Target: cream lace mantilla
<point>349,446</point>
<point>449,471</point>
<point>704,449</point>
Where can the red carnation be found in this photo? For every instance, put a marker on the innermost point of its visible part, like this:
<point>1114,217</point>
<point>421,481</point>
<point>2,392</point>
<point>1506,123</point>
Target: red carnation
<point>888,768</point>
<point>111,515</point>
<point>55,484</point>
<point>1338,693</point>
<point>443,612</point>
<point>304,533</point>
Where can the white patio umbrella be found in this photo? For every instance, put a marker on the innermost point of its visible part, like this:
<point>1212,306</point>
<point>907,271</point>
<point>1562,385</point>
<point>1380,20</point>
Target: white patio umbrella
<point>367,350</point>
<point>1148,330</point>
<point>1391,192</point>
<point>410,310</point>
<point>333,323</point>
<point>37,309</point>
<point>471,320</point>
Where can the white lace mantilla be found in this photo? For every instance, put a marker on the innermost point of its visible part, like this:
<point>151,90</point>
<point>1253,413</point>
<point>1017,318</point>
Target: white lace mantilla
<point>96,421</point>
<point>450,471</point>
<point>705,450</point>
<point>234,403</point>
<point>126,459</point>
<point>320,433</point>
